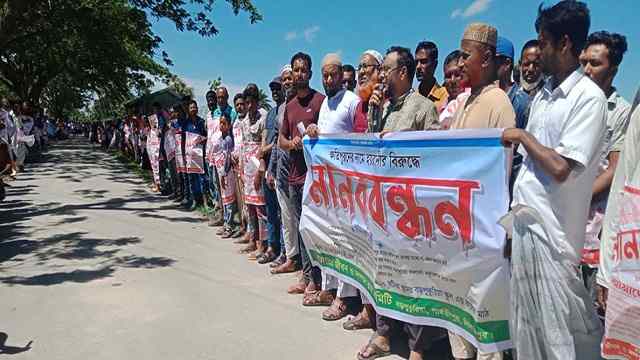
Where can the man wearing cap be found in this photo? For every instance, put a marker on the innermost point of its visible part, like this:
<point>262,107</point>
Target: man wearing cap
<point>406,110</point>
<point>278,174</point>
<point>337,114</point>
<point>368,72</point>
<point>486,107</point>
<point>552,315</point>
<point>504,63</point>
<point>274,235</point>
<point>426,64</point>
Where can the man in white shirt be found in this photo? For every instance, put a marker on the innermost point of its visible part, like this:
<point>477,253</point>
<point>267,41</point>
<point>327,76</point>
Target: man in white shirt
<point>552,316</point>
<point>337,114</point>
<point>600,60</point>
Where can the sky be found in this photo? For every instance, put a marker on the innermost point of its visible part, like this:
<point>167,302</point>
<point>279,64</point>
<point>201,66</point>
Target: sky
<point>242,52</point>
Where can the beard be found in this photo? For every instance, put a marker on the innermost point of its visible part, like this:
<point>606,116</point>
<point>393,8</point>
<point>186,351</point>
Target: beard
<point>301,85</point>
<point>331,92</point>
<point>366,90</point>
<point>528,86</point>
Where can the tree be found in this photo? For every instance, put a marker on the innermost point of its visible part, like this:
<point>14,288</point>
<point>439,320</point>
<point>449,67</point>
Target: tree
<point>62,97</point>
<point>180,86</point>
<point>263,100</point>
<point>105,47</point>
<point>214,84</point>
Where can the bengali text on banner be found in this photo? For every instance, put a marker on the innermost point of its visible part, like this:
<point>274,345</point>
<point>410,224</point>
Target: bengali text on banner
<point>411,221</point>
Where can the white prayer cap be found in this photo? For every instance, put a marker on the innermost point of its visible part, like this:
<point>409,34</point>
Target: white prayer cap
<point>331,59</point>
<point>285,69</point>
<point>376,55</point>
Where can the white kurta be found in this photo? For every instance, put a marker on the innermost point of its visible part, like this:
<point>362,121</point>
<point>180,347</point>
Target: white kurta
<point>552,316</point>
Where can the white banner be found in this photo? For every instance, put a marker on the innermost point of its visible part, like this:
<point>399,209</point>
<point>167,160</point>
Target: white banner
<point>411,220</point>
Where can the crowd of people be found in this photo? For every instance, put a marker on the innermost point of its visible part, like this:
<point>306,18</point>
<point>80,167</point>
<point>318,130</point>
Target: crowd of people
<point>555,99</point>
<point>25,131</point>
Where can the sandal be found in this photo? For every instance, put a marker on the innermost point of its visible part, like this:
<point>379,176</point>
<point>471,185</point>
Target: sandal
<point>374,350</point>
<point>267,257</point>
<point>297,289</point>
<point>248,249</point>
<point>357,323</point>
<point>317,298</point>
<point>241,241</point>
<point>279,261</point>
<point>244,240</point>
<point>334,313</point>
<point>255,255</point>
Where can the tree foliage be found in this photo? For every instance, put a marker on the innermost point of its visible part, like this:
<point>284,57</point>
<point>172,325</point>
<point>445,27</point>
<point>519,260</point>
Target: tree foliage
<point>180,86</point>
<point>214,84</point>
<point>263,100</point>
<point>65,52</point>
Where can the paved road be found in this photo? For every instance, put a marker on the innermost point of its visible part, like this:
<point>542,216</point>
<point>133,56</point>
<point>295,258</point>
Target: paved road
<point>94,266</point>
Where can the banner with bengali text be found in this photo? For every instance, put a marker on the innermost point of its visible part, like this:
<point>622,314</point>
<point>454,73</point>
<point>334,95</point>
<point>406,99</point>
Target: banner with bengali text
<point>411,221</point>
<point>179,154</point>
<point>153,151</point>
<point>194,153</point>
<point>622,322</point>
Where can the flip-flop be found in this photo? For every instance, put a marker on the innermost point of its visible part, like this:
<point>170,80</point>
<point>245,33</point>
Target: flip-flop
<point>248,250</point>
<point>332,314</point>
<point>377,351</point>
<point>315,300</point>
<point>356,324</point>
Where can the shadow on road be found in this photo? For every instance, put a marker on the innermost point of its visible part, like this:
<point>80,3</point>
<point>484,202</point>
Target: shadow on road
<point>74,256</point>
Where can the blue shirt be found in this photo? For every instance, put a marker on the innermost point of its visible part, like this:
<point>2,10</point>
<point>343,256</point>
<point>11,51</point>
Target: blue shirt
<point>229,111</point>
<point>520,101</point>
<point>196,126</point>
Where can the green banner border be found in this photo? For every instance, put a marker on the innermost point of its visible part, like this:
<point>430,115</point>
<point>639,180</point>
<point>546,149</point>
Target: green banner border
<point>485,332</point>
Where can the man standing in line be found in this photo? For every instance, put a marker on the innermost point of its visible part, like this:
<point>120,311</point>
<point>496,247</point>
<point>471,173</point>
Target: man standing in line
<point>504,63</point>
<point>487,107</point>
<point>274,225</point>
<point>213,190</point>
<point>521,94</point>
<point>426,64</point>
<point>241,110</point>
<point>458,92</point>
<point>600,59</point>
<point>194,124</point>
<point>337,116</point>
<point>252,129</point>
<point>406,110</point>
<point>302,111</point>
<point>552,316</point>
<point>349,77</point>
<point>279,170</point>
<point>223,108</point>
